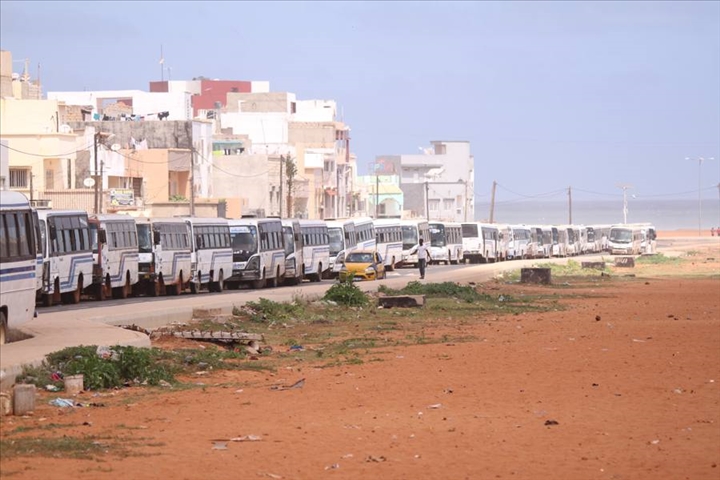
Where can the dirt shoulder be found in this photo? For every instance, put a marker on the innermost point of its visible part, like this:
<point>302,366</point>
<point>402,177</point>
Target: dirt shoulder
<point>593,377</point>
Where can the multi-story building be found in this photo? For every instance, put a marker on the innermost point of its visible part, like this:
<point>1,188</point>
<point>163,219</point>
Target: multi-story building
<point>130,105</point>
<point>209,96</point>
<point>437,183</point>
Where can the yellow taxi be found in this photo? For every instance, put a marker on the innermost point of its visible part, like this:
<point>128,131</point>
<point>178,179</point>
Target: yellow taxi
<point>362,265</point>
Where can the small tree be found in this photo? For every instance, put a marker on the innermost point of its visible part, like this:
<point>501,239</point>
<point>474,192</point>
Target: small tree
<point>290,174</point>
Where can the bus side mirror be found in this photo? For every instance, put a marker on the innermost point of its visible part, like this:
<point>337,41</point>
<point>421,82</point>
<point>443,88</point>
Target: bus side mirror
<point>156,238</point>
<point>102,236</point>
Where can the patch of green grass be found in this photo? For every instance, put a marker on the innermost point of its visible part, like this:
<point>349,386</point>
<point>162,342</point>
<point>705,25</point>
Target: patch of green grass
<point>657,259</point>
<point>61,447</point>
<point>49,426</point>
<point>466,293</point>
<point>347,294</point>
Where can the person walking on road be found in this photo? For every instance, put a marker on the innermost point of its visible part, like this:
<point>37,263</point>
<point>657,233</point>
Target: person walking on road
<point>423,254</point>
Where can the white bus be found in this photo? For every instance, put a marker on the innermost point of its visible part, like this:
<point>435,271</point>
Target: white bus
<point>258,249</point>
<point>365,232</point>
<point>165,256</point>
<point>505,236</point>
<point>592,240</point>
<point>480,241</point>
<point>625,240</point>
<point>519,246</point>
<point>572,240</point>
<point>38,254</point>
<point>446,242</point>
<point>212,257</point>
<point>342,238</point>
<point>413,231</point>
<point>18,262</point>
<point>541,242</point>
<point>294,271</point>
<point>389,239</point>
<point>560,241</point>
<point>316,249</point>
<point>67,255</point>
<point>115,255</point>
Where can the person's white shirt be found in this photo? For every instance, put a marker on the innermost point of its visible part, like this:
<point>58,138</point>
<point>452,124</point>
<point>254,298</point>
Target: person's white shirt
<point>423,252</point>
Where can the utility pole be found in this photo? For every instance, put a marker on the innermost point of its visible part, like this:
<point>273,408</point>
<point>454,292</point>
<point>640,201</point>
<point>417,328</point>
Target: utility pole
<point>625,187</point>
<point>466,201</point>
<point>95,176</point>
<point>570,205</point>
<point>700,160</point>
<point>100,198</point>
<point>492,202</point>
<point>377,192</point>
<point>427,200</point>
<point>192,181</point>
<point>348,195</point>
<point>280,202</point>
<point>32,188</point>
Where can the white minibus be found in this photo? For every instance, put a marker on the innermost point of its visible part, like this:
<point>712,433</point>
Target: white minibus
<point>115,255</point>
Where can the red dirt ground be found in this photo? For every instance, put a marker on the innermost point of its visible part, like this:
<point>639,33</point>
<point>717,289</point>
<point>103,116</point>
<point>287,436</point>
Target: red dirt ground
<point>632,380</point>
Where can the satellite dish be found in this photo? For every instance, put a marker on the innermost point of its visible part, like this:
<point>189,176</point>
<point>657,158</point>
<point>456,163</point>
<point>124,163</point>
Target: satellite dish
<point>115,147</point>
<point>89,182</point>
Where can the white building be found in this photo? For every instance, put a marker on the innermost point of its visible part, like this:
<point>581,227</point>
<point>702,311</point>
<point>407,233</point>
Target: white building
<point>438,183</point>
<point>130,103</point>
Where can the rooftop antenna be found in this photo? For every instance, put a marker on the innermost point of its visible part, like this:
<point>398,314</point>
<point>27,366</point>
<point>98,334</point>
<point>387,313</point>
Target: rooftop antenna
<point>162,64</point>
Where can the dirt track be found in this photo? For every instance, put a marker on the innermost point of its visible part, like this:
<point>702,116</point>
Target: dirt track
<point>629,372</point>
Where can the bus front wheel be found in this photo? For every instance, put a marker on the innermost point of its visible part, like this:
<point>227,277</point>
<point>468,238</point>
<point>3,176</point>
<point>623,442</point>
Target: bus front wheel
<point>3,328</point>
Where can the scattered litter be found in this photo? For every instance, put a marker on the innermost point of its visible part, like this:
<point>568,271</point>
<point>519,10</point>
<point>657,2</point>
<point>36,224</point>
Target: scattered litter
<point>219,445</point>
<point>595,385</point>
<point>348,455</point>
<point>247,438</point>
<point>57,376</point>
<point>334,466</point>
<point>299,384</point>
<point>372,458</point>
<point>448,390</point>
<point>297,348</point>
<point>551,422</point>
<point>655,442</point>
<point>52,388</point>
<point>239,391</point>
<point>87,424</point>
<point>678,390</point>
<point>271,475</point>
<point>62,402</point>
<point>435,405</point>
<point>165,384</point>
<point>638,340</point>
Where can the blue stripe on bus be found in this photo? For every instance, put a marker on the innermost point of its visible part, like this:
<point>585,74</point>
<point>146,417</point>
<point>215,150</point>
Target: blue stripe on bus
<point>121,270</point>
<point>312,258</point>
<point>25,268</point>
<point>21,276</point>
<point>215,255</point>
<point>177,257</point>
<point>74,262</point>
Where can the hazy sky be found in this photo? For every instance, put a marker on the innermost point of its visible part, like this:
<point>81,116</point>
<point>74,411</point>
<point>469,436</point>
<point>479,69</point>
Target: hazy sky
<point>550,95</point>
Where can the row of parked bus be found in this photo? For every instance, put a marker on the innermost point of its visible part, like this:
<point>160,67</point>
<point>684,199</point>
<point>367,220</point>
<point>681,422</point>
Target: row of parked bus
<point>60,256</point>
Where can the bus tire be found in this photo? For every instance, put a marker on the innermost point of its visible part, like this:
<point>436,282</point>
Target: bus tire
<point>318,276</point>
<point>260,282</point>
<point>194,287</point>
<point>74,297</point>
<point>3,328</point>
<point>220,284</point>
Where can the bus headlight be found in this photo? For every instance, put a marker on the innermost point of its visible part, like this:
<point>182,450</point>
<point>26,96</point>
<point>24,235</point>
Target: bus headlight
<point>253,264</point>
<point>340,259</point>
<point>289,264</point>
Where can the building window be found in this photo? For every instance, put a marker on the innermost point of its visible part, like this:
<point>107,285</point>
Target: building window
<point>293,107</point>
<point>434,205</point>
<point>19,177</point>
<point>49,179</point>
<point>448,204</point>
<point>440,149</point>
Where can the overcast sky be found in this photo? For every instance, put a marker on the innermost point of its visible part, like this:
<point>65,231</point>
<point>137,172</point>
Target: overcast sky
<point>550,95</point>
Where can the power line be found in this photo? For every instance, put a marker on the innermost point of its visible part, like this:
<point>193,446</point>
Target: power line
<point>46,155</point>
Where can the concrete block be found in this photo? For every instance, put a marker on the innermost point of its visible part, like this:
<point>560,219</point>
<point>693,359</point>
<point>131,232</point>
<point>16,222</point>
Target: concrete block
<point>625,262</point>
<point>402,301</point>
<point>535,275</point>
<point>596,265</point>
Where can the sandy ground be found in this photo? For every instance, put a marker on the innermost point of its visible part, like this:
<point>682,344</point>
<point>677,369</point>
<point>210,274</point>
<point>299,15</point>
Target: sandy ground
<point>624,384</point>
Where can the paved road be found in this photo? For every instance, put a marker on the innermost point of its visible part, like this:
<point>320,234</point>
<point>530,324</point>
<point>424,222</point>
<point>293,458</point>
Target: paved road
<point>93,323</point>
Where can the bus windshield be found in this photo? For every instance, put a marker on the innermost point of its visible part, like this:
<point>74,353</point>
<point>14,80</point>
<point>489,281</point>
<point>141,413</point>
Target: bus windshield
<point>243,241</point>
<point>437,237</point>
<point>620,235</point>
<point>335,235</point>
<point>94,237</point>
<point>289,240</point>
<point>145,243</point>
<point>410,237</point>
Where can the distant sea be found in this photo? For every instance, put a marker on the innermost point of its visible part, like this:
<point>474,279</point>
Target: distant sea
<point>664,214</point>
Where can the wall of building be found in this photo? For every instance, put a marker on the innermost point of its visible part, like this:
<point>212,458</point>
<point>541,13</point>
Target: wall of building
<point>315,134</point>
<point>212,91</point>
<point>262,128</point>
<point>315,111</point>
<point>278,102</point>
<point>6,89</point>
<point>157,134</point>
<point>177,103</point>
<point>246,179</point>
<point>4,165</point>
<point>28,116</point>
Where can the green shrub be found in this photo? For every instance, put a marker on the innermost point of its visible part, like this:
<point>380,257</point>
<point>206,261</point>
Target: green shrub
<point>347,294</point>
<point>123,365</point>
<point>438,290</point>
<point>264,310</point>
<point>657,259</point>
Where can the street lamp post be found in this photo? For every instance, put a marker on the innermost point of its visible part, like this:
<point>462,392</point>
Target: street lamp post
<point>625,187</point>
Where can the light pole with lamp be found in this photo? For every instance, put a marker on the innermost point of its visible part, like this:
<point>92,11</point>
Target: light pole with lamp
<point>625,187</point>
